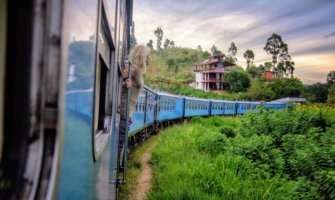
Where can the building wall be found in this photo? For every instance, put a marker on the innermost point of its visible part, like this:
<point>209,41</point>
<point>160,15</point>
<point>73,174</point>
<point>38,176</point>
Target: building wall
<point>198,79</point>
<point>268,75</point>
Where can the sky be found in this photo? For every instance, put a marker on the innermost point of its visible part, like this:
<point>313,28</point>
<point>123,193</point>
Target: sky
<point>307,26</point>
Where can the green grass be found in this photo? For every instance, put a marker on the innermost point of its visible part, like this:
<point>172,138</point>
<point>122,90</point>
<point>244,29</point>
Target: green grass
<point>214,159</point>
<point>134,167</point>
<point>184,169</point>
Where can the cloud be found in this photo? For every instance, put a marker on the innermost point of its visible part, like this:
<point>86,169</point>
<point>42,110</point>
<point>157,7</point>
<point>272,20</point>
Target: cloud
<point>330,35</point>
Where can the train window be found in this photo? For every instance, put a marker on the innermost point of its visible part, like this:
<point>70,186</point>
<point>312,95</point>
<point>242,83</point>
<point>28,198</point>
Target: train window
<point>102,89</point>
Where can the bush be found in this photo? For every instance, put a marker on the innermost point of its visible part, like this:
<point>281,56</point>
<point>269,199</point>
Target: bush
<point>229,132</point>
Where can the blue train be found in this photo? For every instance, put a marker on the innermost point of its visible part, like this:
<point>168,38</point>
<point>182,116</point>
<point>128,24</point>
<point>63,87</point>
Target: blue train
<point>154,108</point>
<point>60,94</point>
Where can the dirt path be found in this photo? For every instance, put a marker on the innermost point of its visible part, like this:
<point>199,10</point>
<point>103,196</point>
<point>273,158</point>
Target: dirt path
<point>144,181</point>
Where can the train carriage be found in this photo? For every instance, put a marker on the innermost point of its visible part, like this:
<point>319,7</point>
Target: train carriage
<point>196,107</point>
<point>169,106</point>
<point>230,107</point>
<point>217,107</point>
<point>243,107</point>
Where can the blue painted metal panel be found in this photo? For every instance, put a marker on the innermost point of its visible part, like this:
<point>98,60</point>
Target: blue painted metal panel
<point>273,105</point>
<point>139,114</point>
<point>150,104</point>
<point>229,107</point>
<point>169,107</point>
<point>217,107</point>
<point>196,107</point>
<point>244,107</point>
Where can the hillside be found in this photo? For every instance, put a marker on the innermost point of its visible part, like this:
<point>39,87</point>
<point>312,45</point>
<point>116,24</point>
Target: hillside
<point>171,70</point>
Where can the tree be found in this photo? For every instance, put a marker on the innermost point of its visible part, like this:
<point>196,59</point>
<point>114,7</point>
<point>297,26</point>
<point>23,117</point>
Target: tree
<point>230,59</point>
<point>277,47</point>
<point>331,94</point>
<point>232,49</point>
<point>249,56</point>
<point>274,46</point>
<point>286,67</point>
<point>331,78</point>
<point>166,43</point>
<point>170,62</point>
<point>260,92</point>
<point>253,71</point>
<point>268,66</point>
<point>238,81</point>
<point>317,92</point>
<point>159,34</point>
<point>287,87</point>
<point>206,54</point>
<point>199,48</point>
<point>150,44</point>
<point>172,44</point>
<point>214,49</point>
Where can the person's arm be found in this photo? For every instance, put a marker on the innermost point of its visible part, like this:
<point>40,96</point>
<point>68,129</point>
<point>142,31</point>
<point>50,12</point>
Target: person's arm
<point>128,83</point>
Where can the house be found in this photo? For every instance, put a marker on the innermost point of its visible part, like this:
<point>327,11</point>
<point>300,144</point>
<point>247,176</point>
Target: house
<point>269,75</point>
<point>209,73</point>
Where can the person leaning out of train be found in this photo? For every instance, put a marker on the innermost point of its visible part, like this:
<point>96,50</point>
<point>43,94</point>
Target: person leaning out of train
<point>139,58</point>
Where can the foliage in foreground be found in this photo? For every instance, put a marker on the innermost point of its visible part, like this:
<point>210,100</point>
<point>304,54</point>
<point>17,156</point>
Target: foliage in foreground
<point>267,155</point>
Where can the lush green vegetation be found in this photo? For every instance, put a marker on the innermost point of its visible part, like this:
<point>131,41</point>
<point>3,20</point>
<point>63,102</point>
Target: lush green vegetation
<point>266,155</point>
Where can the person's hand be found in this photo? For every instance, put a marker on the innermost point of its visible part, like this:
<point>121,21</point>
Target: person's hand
<point>128,83</point>
<point>125,72</point>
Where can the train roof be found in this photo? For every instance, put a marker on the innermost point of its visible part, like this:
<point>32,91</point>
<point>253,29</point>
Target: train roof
<point>168,95</point>
<point>195,98</point>
<point>274,102</point>
<point>249,102</point>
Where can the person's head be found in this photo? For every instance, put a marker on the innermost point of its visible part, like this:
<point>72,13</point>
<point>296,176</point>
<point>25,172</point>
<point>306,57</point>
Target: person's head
<point>140,57</point>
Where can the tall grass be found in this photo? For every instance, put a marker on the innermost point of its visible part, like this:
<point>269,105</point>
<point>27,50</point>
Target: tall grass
<point>189,163</point>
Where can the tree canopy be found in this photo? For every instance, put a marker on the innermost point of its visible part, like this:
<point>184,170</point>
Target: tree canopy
<point>232,49</point>
<point>317,92</point>
<point>331,78</point>
<point>238,81</point>
<point>166,43</point>
<point>215,50</point>
<point>150,44</point>
<point>278,48</point>
<point>249,56</point>
<point>287,87</point>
